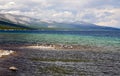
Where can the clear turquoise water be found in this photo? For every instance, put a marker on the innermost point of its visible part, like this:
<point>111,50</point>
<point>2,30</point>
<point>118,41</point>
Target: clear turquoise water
<point>61,38</point>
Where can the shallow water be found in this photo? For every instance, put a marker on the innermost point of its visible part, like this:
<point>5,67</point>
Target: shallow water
<point>39,62</point>
<point>92,38</point>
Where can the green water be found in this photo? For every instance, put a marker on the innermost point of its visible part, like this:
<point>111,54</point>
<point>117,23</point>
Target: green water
<point>59,39</point>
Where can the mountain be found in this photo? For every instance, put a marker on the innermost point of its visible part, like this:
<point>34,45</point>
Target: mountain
<point>9,21</point>
<point>18,22</point>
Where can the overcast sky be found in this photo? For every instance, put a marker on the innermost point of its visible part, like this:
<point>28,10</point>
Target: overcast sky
<point>100,12</point>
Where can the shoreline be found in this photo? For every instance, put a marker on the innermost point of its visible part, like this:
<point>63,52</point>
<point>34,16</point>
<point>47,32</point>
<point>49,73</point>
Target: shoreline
<point>48,46</point>
<point>52,46</point>
<point>44,60</point>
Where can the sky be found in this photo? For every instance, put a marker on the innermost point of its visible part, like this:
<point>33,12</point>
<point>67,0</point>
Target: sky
<point>99,12</point>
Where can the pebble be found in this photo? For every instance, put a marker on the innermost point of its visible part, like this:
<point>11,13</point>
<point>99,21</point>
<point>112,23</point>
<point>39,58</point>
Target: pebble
<point>13,68</point>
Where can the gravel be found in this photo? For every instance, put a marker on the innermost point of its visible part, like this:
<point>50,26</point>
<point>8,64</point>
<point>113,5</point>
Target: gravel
<point>38,62</point>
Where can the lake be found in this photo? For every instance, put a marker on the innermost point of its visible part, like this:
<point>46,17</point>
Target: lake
<point>92,38</point>
<point>45,62</point>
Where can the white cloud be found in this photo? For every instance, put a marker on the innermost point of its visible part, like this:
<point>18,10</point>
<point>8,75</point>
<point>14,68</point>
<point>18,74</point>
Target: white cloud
<point>7,5</point>
<point>112,23</point>
<point>100,12</point>
<point>108,17</point>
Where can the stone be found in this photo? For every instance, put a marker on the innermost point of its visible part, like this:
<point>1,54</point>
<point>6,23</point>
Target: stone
<point>13,68</point>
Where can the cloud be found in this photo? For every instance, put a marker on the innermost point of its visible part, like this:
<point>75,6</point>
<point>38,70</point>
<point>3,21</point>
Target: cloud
<point>113,22</point>
<point>100,12</point>
<point>7,5</point>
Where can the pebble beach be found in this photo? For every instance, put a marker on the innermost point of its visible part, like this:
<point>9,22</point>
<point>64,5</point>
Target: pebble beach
<point>48,61</point>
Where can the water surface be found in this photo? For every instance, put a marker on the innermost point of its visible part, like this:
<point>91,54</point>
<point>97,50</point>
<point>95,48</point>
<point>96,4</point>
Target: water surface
<point>92,38</point>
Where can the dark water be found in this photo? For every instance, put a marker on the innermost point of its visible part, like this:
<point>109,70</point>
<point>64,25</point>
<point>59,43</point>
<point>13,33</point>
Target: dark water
<point>83,33</point>
<point>96,38</point>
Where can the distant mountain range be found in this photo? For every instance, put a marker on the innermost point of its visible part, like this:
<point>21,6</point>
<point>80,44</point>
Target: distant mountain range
<point>18,22</point>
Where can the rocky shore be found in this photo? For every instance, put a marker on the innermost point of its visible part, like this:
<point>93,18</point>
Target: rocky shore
<point>60,62</point>
<point>4,53</point>
<point>52,46</point>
